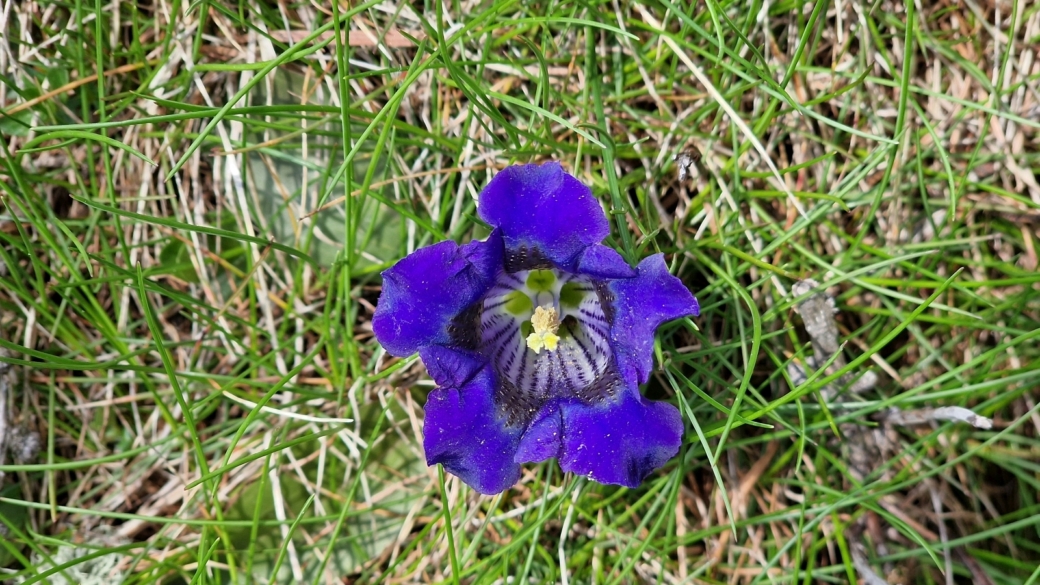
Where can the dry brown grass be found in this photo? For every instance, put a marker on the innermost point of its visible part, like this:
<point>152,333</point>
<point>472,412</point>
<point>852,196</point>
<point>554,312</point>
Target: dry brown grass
<point>156,334</point>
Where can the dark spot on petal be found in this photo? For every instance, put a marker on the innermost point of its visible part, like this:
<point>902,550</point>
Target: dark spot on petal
<point>606,300</point>
<point>517,406</point>
<point>464,329</point>
<point>524,258</point>
<point>604,387</point>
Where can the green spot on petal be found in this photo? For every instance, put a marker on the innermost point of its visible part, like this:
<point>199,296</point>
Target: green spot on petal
<point>540,280</point>
<point>571,295</point>
<point>518,303</point>
<point>525,329</point>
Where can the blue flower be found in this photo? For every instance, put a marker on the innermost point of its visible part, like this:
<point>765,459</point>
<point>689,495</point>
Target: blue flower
<point>538,339</point>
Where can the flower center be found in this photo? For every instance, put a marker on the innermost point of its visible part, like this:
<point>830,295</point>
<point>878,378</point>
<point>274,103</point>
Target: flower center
<point>545,322</point>
<point>564,314</point>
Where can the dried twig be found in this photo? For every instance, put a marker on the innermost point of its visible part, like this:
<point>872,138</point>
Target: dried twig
<point>862,565</point>
<point>393,38</point>
<point>21,442</point>
<point>817,312</point>
<point>924,415</point>
<point>72,85</point>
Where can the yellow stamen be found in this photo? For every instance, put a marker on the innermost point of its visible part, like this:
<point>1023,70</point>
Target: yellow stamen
<point>545,323</point>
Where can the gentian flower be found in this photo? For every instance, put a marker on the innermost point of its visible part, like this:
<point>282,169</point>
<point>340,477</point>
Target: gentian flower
<point>538,338</point>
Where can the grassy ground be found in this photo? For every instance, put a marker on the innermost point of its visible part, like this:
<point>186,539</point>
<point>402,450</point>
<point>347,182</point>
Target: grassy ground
<point>191,235</point>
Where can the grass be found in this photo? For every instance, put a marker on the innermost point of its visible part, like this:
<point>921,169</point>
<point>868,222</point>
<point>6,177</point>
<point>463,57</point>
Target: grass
<point>196,200</point>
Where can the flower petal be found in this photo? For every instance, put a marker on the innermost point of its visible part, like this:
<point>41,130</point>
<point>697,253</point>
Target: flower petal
<point>449,366</point>
<point>543,437</point>
<point>425,290</point>
<point>543,207</point>
<point>464,433</point>
<point>620,441</point>
<point>640,305</point>
<point>602,262</point>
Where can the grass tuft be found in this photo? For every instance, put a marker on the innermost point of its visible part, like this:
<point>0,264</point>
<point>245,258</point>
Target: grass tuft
<point>196,200</point>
